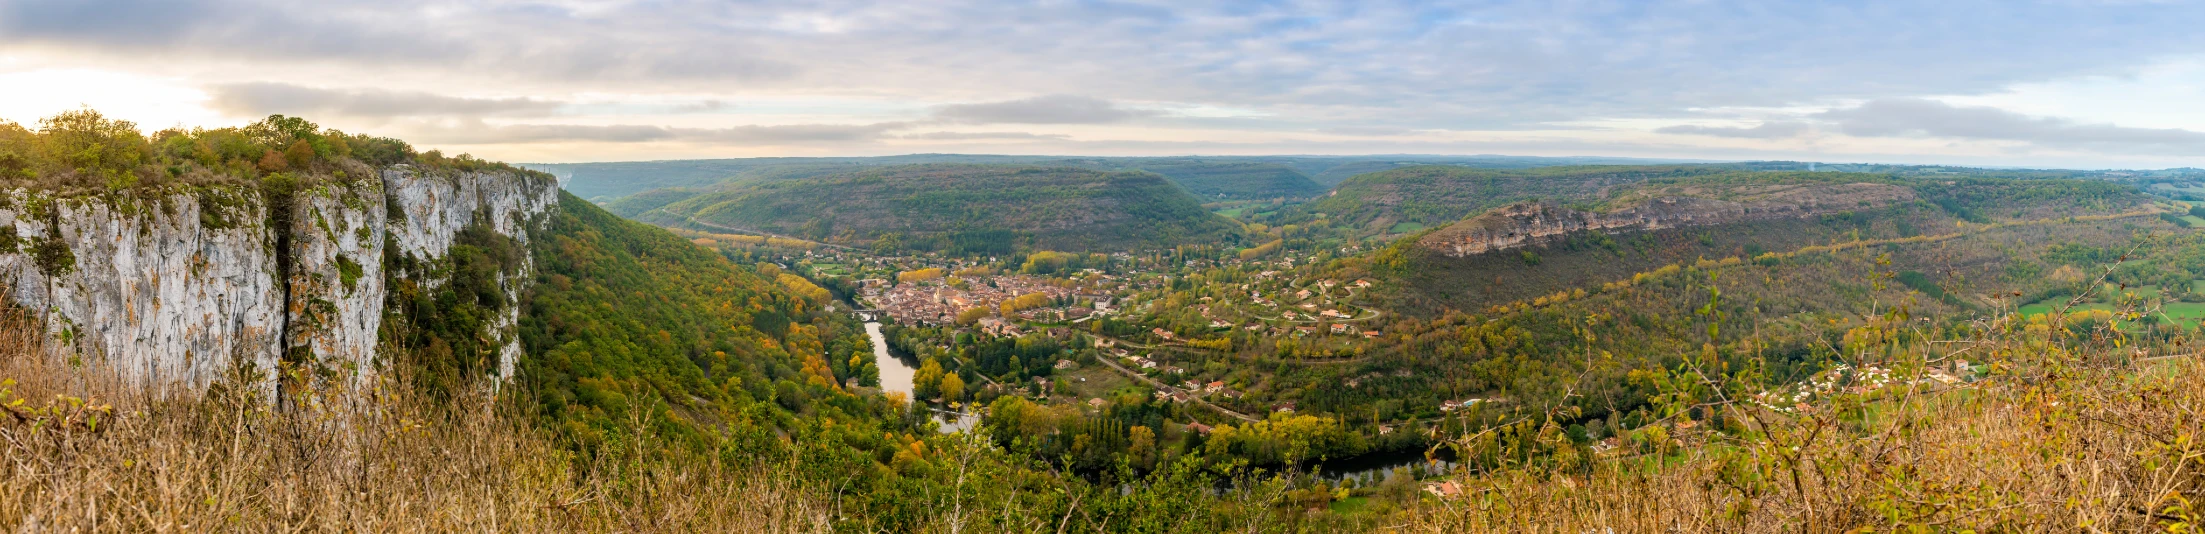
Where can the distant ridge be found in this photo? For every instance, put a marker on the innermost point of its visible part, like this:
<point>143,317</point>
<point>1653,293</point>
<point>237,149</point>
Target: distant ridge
<point>959,209</point>
<point>1207,177</point>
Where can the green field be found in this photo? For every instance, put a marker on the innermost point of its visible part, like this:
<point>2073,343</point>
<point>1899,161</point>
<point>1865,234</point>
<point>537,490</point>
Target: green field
<point>2181,312</point>
<point>2186,188</point>
<point>1405,227</point>
<point>1349,505</point>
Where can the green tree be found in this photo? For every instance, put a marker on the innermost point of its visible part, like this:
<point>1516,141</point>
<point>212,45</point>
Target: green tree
<point>18,151</point>
<point>95,147</point>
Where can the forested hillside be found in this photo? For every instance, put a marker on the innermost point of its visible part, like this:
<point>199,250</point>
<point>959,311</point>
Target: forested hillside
<point>962,209</point>
<point>1332,170</point>
<point>1731,215</point>
<point>1208,177</point>
<point>1413,198</point>
<point>1509,305</point>
<point>626,316</point>
<point>1232,180</point>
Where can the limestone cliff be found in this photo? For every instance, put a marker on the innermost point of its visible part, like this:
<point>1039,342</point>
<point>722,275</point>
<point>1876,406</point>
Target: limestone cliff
<point>428,212</point>
<point>1530,223</point>
<point>177,285</point>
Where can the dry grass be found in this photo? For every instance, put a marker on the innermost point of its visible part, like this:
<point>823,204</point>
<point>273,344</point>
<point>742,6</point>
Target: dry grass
<point>83,452</point>
<point>2071,434</point>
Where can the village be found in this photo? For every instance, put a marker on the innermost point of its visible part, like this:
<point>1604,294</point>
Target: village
<point>935,301</point>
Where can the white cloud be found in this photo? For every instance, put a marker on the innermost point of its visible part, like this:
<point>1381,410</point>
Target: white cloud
<point>1406,72</point>
<point>1047,109</point>
<point>255,99</point>
<point>1903,117</point>
<point>477,133</point>
<point>1765,130</point>
<point>971,136</point>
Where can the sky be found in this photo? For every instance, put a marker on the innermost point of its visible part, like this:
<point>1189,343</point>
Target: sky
<point>2046,83</point>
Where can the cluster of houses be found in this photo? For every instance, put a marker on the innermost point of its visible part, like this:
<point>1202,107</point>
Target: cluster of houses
<point>938,303</point>
<point>998,327</point>
<point>1847,379</point>
<point>1143,362</point>
<point>1309,311</point>
<point>1189,390</point>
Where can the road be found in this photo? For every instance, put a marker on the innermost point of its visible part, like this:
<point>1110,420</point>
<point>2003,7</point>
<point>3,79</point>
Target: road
<point>1106,360</point>
<point>693,220</point>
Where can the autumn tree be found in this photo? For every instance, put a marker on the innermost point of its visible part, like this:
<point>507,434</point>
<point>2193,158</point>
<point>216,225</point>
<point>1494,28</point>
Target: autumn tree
<point>1024,302</point>
<point>926,382</point>
<point>1143,450</point>
<point>929,273</point>
<point>971,315</point>
<point>953,388</point>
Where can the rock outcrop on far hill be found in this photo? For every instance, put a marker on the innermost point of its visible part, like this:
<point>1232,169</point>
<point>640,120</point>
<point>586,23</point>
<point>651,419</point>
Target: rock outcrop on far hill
<point>1530,223</point>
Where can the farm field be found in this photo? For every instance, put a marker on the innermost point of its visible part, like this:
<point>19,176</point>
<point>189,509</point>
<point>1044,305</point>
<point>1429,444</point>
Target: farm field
<point>2182,312</point>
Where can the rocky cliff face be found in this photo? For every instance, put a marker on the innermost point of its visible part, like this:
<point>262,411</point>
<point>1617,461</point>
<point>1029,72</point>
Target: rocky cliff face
<point>169,287</point>
<point>1534,223</point>
<point>428,213</point>
<point>177,286</point>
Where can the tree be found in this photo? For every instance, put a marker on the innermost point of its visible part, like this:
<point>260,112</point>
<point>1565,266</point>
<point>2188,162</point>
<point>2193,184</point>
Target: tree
<point>18,151</point>
<point>926,382</point>
<point>971,315</point>
<point>95,146</point>
<point>953,388</point>
<point>1024,302</point>
<point>1143,449</point>
<point>299,154</point>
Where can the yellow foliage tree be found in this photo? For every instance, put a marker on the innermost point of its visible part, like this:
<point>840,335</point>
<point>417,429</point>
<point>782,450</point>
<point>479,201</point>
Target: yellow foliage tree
<point>971,315</point>
<point>953,388</point>
<point>1259,251</point>
<point>1024,302</point>
<point>929,273</point>
<point>799,285</point>
<point>927,381</point>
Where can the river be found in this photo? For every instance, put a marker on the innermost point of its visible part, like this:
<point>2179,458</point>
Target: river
<point>1374,468</point>
<point>895,376</point>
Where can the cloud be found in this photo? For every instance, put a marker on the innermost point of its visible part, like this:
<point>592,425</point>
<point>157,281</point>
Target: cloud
<point>471,133</point>
<point>1766,130</point>
<point>1367,131</point>
<point>255,99</point>
<point>1397,63</point>
<point>1914,117</point>
<point>524,40</point>
<point>1399,68</point>
<point>1048,109</point>
<point>706,106</point>
<point>966,136</point>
